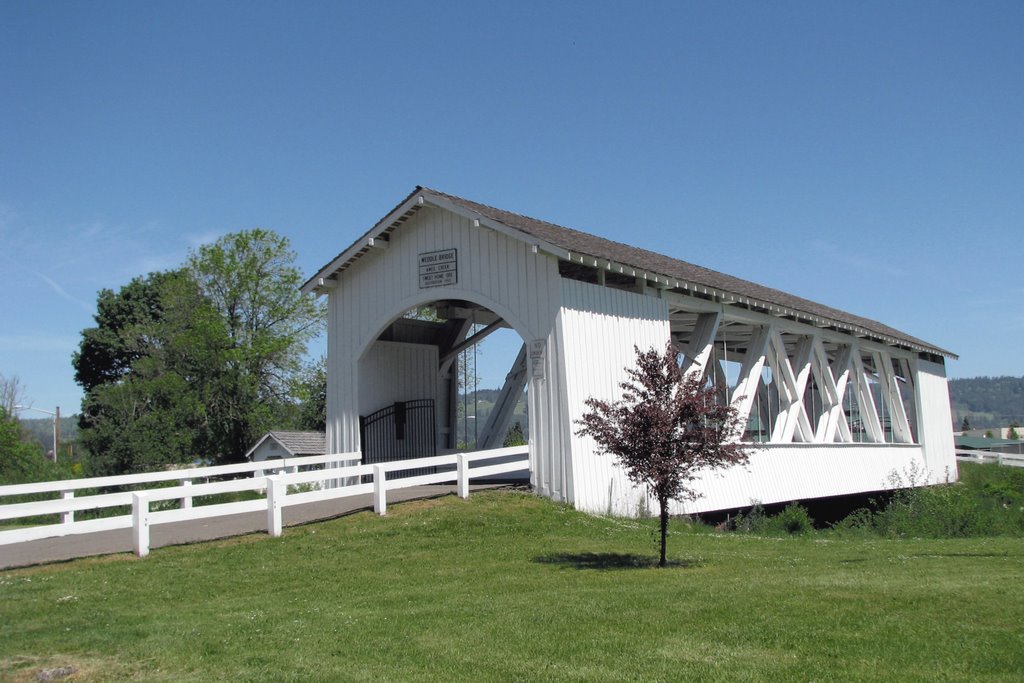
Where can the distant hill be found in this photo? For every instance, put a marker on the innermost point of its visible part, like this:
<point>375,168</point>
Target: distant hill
<point>41,430</point>
<point>987,401</point>
<point>485,400</point>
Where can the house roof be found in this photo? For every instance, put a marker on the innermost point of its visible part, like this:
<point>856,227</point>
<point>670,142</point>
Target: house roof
<point>296,443</point>
<point>571,244</point>
<point>981,443</point>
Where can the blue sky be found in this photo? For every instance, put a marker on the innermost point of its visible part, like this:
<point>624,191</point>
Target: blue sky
<point>867,155</point>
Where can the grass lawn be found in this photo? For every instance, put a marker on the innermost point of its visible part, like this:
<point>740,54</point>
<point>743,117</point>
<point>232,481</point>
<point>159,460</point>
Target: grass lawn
<point>507,586</point>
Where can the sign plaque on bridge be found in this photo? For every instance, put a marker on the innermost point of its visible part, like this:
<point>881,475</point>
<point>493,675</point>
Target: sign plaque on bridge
<point>537,349</point>
<point>439,268</point>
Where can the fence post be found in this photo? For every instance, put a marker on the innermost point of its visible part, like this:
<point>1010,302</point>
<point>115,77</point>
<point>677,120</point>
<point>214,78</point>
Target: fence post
<point>69,516</point>
<point>380,503</point>
<point>140,524</point>
<point>463,476</point>
<point>276,491</point>
<point>186,501</point>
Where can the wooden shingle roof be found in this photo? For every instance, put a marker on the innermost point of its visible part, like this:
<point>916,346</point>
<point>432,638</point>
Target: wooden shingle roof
<point>576,242</point>
<point>295,443</point>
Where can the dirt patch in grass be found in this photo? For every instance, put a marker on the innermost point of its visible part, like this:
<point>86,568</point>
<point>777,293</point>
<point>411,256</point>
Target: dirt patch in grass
<point>25,669</point>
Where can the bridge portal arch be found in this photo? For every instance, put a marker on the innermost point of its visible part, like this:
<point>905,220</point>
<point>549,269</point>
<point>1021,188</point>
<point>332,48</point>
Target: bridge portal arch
<point>423,355</point>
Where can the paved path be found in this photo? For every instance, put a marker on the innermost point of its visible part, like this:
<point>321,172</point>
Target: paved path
<point>65,548</point>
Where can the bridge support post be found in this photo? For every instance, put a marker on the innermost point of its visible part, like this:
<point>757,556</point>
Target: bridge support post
<point>140,524</point>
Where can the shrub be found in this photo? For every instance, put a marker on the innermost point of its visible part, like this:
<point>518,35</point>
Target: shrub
<point>752,522</point>
<point>987,501</point>
<point>793,519</point>
<point>859,522</point>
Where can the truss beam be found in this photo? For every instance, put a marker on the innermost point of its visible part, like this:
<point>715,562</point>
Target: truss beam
<point>832,380</point>
<point>750,375</point>
<point>498,422</point>
<point>701,348</point>
<point>792,419</point>
<point>865,401</point>
<point>891,397</point>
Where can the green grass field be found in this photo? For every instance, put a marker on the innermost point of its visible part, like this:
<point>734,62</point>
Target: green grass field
<point>507,586</point>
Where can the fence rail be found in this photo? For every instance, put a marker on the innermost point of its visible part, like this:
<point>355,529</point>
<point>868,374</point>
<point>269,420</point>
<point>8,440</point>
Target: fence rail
<point>1007,459</point>
<point>273,490</point>
<point>189,474</point>
<point>66,488</point>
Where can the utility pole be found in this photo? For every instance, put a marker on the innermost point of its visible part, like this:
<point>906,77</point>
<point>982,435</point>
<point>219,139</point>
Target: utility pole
<point>56,434</point>
<point>56,425</point>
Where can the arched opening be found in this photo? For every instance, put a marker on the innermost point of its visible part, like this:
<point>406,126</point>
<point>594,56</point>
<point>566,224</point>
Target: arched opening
<point>443,376</point>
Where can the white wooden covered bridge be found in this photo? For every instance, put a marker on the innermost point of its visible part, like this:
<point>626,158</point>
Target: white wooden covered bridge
<point>836,402</point>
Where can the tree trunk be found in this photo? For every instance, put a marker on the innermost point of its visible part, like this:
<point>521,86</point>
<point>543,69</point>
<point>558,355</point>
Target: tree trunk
<point>663,502</point>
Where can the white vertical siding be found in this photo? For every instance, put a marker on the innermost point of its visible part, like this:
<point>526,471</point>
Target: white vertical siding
<point>381,285</point>
<point>401,372</point>
<point>935,419</point>
<point>596,331</point>
<point>342,390</point>
<point>781,473</point>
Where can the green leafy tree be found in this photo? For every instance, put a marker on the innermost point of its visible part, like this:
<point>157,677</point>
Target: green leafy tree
<point>148,422</point>
<point>195,364</point>
<point>515,436</point>
<point>311,393</point>
<point>124,330</point>
<point>249,281</point>
<point>1013,434</point>
<point>143,406</point>
<point>666,429</point>
<point>21,460</point>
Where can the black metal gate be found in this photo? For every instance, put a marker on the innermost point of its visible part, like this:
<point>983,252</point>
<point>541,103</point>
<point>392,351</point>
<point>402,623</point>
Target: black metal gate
<point>402,431</point>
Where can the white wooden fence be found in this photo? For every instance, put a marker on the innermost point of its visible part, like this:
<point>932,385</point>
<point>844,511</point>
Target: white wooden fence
<point>1008,459</point>
<point>273,488</point>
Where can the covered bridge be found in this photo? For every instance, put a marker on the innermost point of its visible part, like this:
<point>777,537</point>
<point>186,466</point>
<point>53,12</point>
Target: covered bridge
<point>835,402</point>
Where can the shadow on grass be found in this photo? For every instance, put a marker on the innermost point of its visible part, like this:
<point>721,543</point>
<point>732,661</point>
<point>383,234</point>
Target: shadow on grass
<point>605,561</point>
<point>960,555</point>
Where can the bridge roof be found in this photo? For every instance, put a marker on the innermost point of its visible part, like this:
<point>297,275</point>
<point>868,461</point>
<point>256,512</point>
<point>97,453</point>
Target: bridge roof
<point>571,244</point>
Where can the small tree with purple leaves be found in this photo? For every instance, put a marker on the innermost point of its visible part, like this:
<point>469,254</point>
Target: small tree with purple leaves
<point>666,429</point>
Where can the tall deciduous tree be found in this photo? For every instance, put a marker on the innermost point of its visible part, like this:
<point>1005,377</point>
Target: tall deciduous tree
<point>143,403</point>
<point>250,281</point>
<point>666,429</point>
<point>196,363</point>
<point>124,330</point>
<point>12,392</point>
